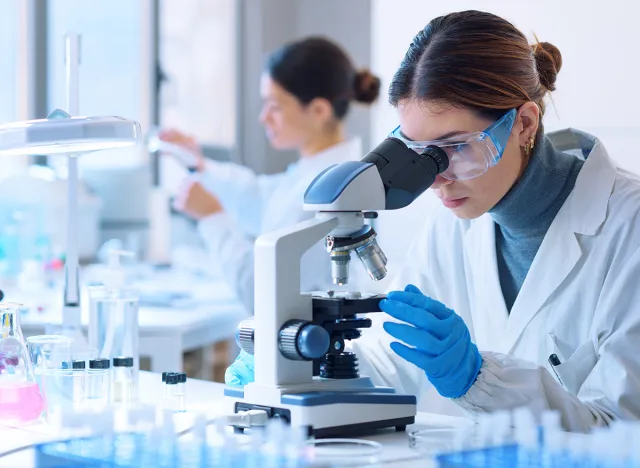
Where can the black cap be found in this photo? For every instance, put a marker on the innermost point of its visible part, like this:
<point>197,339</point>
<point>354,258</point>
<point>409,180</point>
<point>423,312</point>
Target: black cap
<point>172,378</point>
<point>182,377</point>
<point>99,364</point>
<point>164,376</point>
<point>80,364</point>
<point>122,361</point>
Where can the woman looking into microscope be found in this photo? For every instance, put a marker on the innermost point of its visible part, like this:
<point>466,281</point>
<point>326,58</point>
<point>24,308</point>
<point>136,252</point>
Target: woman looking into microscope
<point>522,290</point>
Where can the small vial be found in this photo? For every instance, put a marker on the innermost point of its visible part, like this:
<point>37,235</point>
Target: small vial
<point>165,387</point>
<point>171,383</point>
<point>79,378</point>
<point>180,392</point>
<point>122,379</point>
<point>98,382</point>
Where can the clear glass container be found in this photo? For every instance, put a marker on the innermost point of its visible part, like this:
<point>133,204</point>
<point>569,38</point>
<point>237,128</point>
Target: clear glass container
<point>97,384</point>
<point>20,398</point>
<point>48,352</point>
<point>122,378</point>
<point>63,390</point>
<point>113,326</point>
<point>179,395</point>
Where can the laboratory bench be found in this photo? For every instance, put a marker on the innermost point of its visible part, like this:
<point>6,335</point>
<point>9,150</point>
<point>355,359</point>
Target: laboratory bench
<point>205,396</point>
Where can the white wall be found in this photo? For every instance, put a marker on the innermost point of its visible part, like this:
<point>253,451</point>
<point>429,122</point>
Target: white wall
<point>597,89</point>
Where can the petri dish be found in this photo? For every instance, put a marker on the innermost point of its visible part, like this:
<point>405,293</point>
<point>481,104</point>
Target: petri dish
<point>436,440</point>
<point>344,452</point>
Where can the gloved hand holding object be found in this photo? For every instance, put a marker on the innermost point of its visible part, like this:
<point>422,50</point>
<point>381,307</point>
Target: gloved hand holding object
<point>439,339</point>
<point>241,372</point>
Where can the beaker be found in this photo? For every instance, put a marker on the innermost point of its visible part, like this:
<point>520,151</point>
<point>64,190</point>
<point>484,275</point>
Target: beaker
<point>113,326</point>
<point>62,390</point>
<point>20,397</point>
<point>49,352</point>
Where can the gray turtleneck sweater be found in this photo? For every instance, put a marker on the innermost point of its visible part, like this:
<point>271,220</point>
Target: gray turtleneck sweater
<point>525,213</point>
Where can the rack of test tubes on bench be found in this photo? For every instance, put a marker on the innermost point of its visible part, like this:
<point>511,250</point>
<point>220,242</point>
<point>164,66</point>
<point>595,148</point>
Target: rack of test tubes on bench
<point>151,437</point>
<point>514,440</point>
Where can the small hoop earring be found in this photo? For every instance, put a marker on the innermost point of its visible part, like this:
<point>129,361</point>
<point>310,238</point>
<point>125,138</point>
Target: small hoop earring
<point>528,147</point>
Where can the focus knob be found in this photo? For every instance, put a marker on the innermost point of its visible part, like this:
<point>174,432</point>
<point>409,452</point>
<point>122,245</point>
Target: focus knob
<point>300,340</point>
<point>244,335</point>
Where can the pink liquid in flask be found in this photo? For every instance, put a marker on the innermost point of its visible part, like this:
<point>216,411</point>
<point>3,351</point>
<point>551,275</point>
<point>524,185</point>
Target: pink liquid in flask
<point>20,402</point>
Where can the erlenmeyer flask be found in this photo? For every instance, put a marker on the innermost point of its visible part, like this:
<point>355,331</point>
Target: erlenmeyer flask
<point>20,398</point>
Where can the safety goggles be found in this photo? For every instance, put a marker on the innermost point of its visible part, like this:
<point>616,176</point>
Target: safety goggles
<point>471,154</point>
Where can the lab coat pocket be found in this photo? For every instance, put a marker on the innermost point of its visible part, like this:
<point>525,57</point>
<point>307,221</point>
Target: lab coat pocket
<point>575,370</point>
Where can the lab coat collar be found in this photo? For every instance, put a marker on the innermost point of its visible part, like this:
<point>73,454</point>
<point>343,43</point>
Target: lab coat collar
<point>348,150</point>
<point>583,213</point>
<point>587,204</point>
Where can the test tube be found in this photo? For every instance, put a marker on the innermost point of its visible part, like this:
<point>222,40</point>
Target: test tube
<point>98,382</point>
<point>122,379</point>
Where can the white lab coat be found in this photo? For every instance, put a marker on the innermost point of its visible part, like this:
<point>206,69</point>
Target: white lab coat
<point>580,300</point>
<point>255,204</point>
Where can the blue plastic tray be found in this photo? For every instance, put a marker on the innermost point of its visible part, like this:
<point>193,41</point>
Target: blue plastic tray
<point>137,450</point>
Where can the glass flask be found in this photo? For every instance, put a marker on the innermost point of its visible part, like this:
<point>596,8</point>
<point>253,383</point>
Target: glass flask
<point>20,398</point>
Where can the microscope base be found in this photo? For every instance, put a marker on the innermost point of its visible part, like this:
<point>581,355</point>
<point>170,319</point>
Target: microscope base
<point>334,414</point>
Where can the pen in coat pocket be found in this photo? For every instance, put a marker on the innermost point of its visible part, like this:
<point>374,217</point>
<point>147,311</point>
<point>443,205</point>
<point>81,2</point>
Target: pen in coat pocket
<point>555,361</point>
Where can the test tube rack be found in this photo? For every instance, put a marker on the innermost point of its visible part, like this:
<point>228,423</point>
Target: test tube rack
<point>128,450</point>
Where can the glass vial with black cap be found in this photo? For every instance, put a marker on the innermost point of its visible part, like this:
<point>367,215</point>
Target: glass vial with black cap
<point>175,391</point>
<point>79,369</point>
<point>98,383</point>
<point>122,377</point>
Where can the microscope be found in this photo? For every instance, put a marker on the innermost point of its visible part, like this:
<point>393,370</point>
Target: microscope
<point>303,373</point>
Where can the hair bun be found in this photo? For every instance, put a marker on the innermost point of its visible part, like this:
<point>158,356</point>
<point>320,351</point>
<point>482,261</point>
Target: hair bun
<point>366,87</point>
<point>548,63</point>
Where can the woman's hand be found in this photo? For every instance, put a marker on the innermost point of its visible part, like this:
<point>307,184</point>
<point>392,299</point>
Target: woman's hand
<point>188,142</point>
<point>439,341</point>
<point>195,201</point>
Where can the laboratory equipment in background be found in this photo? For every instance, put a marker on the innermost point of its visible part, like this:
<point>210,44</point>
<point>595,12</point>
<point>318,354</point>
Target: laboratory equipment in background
<point>65,133</point>
<point>125,203</point>
<point>20,398</point>
<point>33,209</point>
<point>113,316</point>
<point>303,373</point>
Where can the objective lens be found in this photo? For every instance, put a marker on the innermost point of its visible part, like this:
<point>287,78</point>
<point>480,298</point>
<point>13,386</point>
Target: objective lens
<point>373,259</point>
<point>340,267</point>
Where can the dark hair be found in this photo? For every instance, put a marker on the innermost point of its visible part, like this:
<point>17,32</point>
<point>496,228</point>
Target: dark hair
<point>318,68</point>
<point>476,60</point>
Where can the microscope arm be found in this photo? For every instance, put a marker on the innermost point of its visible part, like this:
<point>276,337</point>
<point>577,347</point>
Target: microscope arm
<point>278,298</point>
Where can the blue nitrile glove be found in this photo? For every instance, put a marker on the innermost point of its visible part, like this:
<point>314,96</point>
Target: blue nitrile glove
<point>439,339</point>
<point>240,373</point>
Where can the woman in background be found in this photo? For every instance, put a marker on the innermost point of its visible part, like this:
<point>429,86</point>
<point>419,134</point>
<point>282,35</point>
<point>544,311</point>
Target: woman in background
<point>307,87</point>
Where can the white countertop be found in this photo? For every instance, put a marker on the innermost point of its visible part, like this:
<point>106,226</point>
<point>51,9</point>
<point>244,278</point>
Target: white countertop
<point>206,396</point>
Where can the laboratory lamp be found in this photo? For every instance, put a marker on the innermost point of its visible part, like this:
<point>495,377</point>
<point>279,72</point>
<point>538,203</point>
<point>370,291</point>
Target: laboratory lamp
<point>64,133</point>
